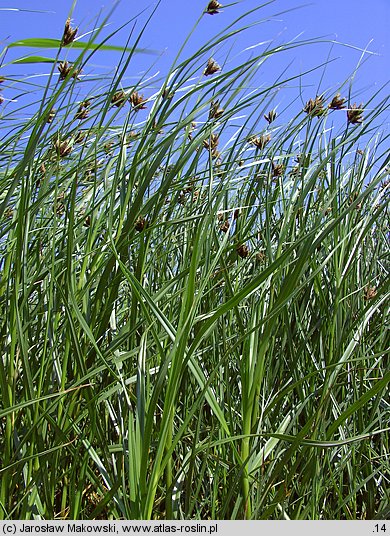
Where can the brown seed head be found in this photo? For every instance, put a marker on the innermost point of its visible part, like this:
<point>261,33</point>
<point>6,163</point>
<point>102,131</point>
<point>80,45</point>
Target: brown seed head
<point>140,224</point>
<point>224,227</point>
<point>213,7</point>
<point>242,251</point>
<point>63,148</point>
<point>51,115</point>
<point>355,114</point>
<point>80,137</point>
<point>277,169</point>
<point>69,34</point>
<point>83,110</point>
<point>212,142</point>
<point>270,116</point>
<point>118,98</point>
<point>294,171</point>
<point>137,101</point>
<point>66,69</point>
<point>211,67</point>
<point>260,257</point>
<point>168,94</point>
<point>41,174</point>
<point>191,130</point>
<point>315,107</point>
<point>157,127</point>
<point>188,189</point>
<point>260,142</point>
<point>337,103</point>
<point>1,97</point>
<point>195,196</point>
<point>108,147</point>
<point>215,111</point>
<point>370,293</point>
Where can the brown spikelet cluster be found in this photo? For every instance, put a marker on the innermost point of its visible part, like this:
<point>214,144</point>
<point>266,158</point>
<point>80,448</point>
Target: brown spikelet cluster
<point>168,94</point>
<point>277,169</point>
<point>225,226</point>
<point>211,143</point>
<point>355,114</point>
<point>83,110</point>
<point>80,137</point>
<point>66,69</point>
<point>260,257</point>
<point>242,251</point>
<point>137,101</point>
<point>140,224</point>
<point>60,207</point>
<point>1,81</point>
<point>40,175</point>
<point>107,147</point>
<point>212,67</point>
<point>69,34</point>
<point>337,103</point>
<point>315,107</point>
<point>215,111</point>
<point>62,148</point>
<point>213,7</point>
<point>260,141</point>
<point>119,98</point>
<point>370,293</point>
<point>191,130</point>
<point>51,115</point>
<point>270,116</point>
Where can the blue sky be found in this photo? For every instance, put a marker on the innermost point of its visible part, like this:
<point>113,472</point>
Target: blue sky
<point>357,23</point>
